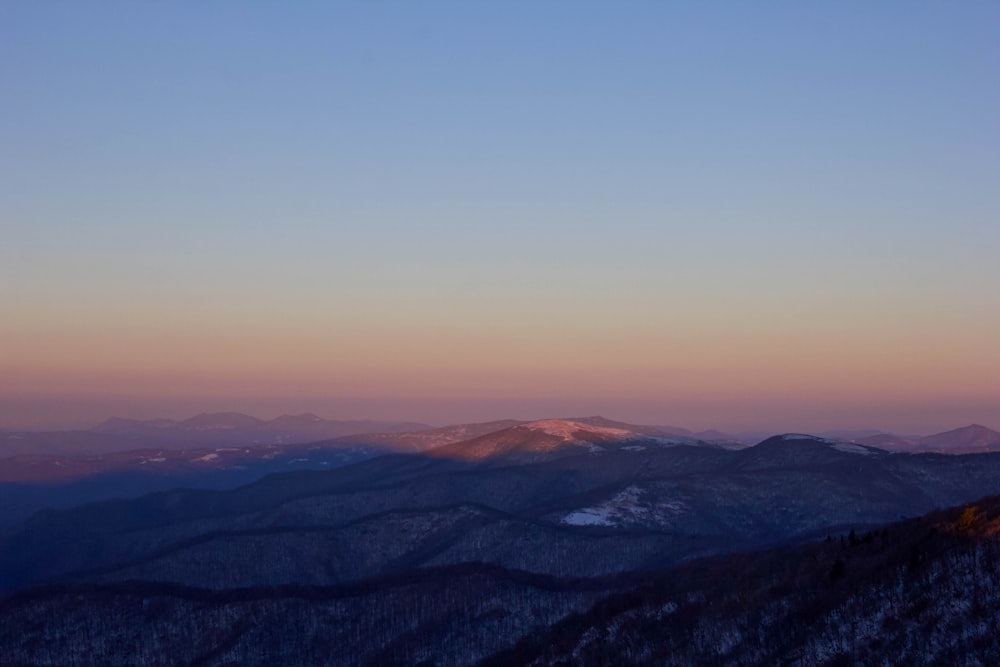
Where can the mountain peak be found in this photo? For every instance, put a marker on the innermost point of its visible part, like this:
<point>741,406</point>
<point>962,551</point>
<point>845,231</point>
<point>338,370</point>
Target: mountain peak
<point>568,429</point>
<point>974,437</point>
<point>800,449</point>
<point>220,420</point>
<point>545,437</point>
<point>594,420</point>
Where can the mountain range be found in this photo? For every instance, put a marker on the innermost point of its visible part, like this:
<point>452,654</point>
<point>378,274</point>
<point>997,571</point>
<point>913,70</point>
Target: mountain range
<point>204,430</point>
<point>647,498</point>
<point>124,458</point>
<point>918,592</point>
<point>232,428</point>
<point>237,428</point>
<point>548,542</point>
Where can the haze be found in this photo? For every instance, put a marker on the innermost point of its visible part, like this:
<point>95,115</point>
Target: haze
<point>728,216</point>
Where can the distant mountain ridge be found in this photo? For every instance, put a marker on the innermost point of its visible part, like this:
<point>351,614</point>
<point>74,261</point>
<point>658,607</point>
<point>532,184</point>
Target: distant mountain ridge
<point>418,441</point>
<point>546,437</point>
<point>238,428</point>
<point>124,457</point>
<point>971,439</point>
<point>205,429</point>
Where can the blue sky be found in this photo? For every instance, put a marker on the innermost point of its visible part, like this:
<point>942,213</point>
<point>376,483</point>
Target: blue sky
<point>516,179</point>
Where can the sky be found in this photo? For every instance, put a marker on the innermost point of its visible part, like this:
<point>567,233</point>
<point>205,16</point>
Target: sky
<point>728,215</point>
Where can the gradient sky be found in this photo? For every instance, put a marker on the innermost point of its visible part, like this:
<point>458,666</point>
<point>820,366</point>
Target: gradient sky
<point>773,215</point>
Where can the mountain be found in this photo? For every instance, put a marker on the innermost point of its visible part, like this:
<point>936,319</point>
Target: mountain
<point>31,482</point>
<point>969,439</point>
<point>586,501</point>
<point>793,450</point>
<point>719,437</point>
<point>21,443</point>
<point>219,421</point>
<point>88,467</point>
<point>225,428</point>
<point>562,541</point>
<point>754,436</point>
<point>920,591</point>
<point>849,434</point>
<point>888,441</point>
<point>205,425</point>
<point>915,592</point>
<point>234,428</point>
<point>418,441</point>
<point>966,440</point>
<point>454,615</point>
<point>134,457</point>
<point>546,438</point>
<point>167,462</point>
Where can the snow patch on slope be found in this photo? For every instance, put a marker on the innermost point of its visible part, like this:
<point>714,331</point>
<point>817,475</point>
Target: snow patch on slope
<point>847,447</point>
<point>852,449</point>
<point>626,507</point>
<point>565,428</point>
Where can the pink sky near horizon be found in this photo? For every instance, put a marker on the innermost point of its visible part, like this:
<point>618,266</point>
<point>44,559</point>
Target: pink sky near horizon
<point>766,415</point>
<point>806,367</point>
<point>748,217</point>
